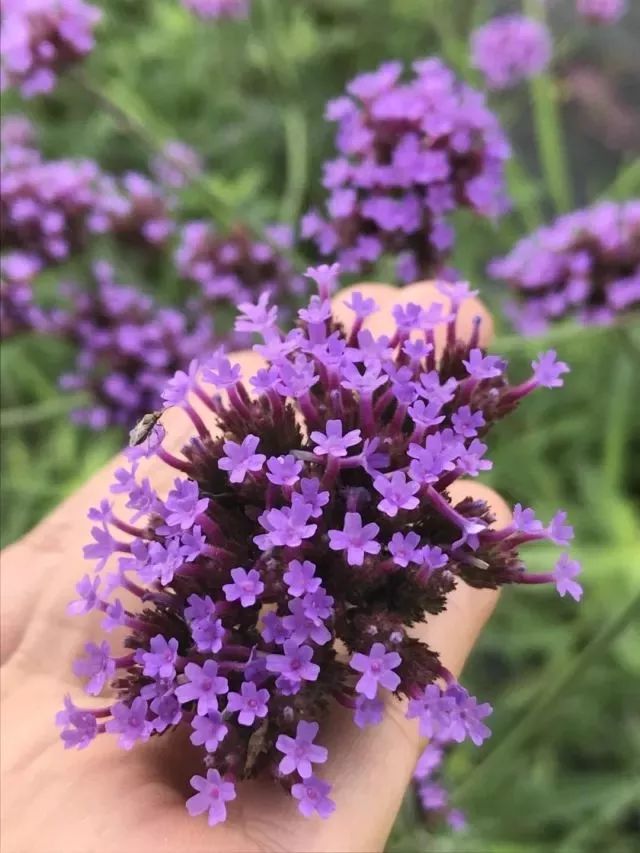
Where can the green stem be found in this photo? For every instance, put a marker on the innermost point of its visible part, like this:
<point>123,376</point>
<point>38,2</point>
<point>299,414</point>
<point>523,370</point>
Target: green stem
<point>548,127</point>
<point>559,334</point>
<point>296,138</point>
<point>22,416</point>
<point>617,428</point>
<point>551,687</point>
<point>626,184</point>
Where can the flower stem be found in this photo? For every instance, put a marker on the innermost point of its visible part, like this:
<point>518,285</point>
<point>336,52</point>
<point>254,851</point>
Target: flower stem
<point>548,127</point>
<point>551,688</point>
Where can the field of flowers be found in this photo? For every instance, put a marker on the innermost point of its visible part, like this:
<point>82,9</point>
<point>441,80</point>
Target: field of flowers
<point>165,160</point>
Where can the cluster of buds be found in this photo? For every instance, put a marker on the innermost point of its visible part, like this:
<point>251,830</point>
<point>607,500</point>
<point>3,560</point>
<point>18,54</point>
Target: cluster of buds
<point>309,526</point>
<point>410,154</point>
<point>40,38</point>
<point>585,265</point>
<point>127,348</point>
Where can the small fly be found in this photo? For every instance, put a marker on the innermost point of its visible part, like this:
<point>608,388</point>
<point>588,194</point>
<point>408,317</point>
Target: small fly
<point>142,430</point>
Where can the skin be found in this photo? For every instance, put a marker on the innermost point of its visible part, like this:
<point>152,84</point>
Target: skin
<point>104,799</point>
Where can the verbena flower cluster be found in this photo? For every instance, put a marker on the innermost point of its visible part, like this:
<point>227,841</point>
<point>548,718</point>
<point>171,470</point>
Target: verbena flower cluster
<point>176,165</point>
<point>601,11</point>
<point>409,154</point>
<point>510,49</point>
<point>18,310</point>
<point>40,38</point>
<point>132,208</point>
<point>233,266</point>
<point>215,9</point>
<point>44,205</point>
<point>127,348</point>
<point>304,534</point>
<point>585,264</point>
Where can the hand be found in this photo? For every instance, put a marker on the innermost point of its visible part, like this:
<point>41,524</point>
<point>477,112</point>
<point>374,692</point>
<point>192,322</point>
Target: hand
<point>103,799</point>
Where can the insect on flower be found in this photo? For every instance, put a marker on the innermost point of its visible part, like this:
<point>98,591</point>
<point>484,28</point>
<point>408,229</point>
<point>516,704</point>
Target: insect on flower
<point>143,429</point>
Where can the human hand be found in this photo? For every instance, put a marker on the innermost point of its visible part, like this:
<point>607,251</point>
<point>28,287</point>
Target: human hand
<point>104,799</point>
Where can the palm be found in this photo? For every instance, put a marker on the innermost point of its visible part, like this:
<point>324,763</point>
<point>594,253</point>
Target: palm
<point>104,799</point>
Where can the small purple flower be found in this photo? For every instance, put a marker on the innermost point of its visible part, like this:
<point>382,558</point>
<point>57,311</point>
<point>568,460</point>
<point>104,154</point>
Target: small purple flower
<point>377,669</point>
<point>547,371</point>
<point>509,49</point>
<point>368,712</point>
<point>284,470</point>
<point>525,521</point>
<point>102,548</point>
<point>204,684</point>
<point>286,526</point>
<point>251,702</point>
<point>300,578</point>
<point>79,727</point>
<point>430,760</point>
<point>433,558</point>
<point>481,366</point>
<point>239,459</point>
<point>333,442</point>
<point>208,731</point>
<point>247,587</point>
<point>433,796</point>
<point>466,423</point>
<point>361,306</point>
<point>184,505</point>
<point>313,797</point>
<point>87,589</point>
<point>564,573</point>
<point>355,538</point>
<point>404,548</point>
<point>213,794</point>
<point>295,664</point>
<point>98,666</point>
<point>301,752</point>
<point>130,722</point>
<point>559,531</point>
<point>115,616</point>
<point>167,710</point>
<point>160,661</point>
<point>465,720</point>
<point>397,493</point>
<point>433,710</point>
<point>313,497</point>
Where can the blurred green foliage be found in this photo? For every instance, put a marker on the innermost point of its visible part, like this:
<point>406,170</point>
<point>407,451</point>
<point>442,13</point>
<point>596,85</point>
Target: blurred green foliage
<point>562,772</point>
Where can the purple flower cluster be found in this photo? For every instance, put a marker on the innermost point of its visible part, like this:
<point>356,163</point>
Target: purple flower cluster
<point>44,204</point>
<point>601,11</point>
<point>585,264</point>
<point>18,311</point>
<point>509,49</point>
<point>215,9</point>
<point>127,348</point>
<point>233,266</point>
<point>133,209</point>
<point>409,154</point>
<point>40,38</point>
<point>176,165</point>
<point>314,516</point>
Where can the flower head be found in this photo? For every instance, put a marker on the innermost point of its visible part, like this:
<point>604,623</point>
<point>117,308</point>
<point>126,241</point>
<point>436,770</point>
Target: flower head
<point>585,264</point>
<point>601,11</point>
<point>509,49</point>
<point>317,516</point>
<point>40,38</point>
<point>409,152</point>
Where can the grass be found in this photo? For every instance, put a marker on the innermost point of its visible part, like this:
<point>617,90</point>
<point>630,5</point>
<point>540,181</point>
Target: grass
<point>561,772</point>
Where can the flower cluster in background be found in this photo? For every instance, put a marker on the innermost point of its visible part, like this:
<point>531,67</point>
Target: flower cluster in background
<point>127,346</point>
<point>585,265</point>
<point>317,514</point>
<point>601,11</point>
<point>234,266</point>
<point>510,49</point>
<point>176,165</point>
<point>19,311</point>
<point>409,154</point>
<point>216,9</point>
<point>40,38</point>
